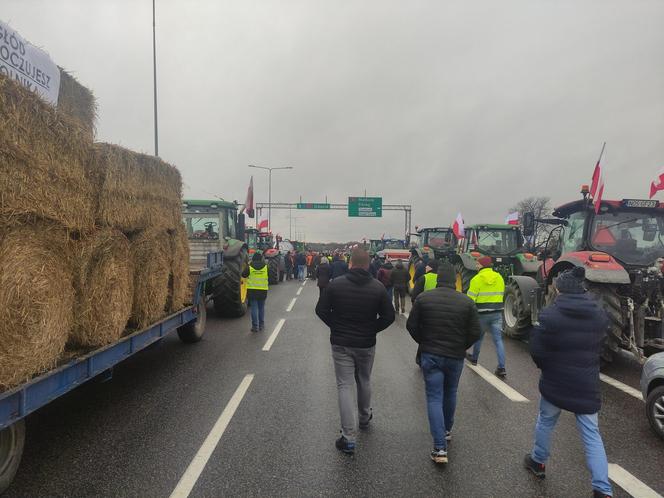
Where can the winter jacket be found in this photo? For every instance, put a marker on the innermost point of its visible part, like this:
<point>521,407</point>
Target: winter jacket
<point>444,322</point>
<point>487,289</point>
<point>338,268</point>
<point>255,293</point>
<point>400,278</point>
<point>418,288</point>
<point>374,267</point>
<point>420,269</point>
<point>355,307</point>
<point>301,259</point>
<point>323,275</point>
<point>384,275</point>
<point>566,347</point>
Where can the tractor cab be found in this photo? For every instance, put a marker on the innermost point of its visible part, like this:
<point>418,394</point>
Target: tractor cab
<point>440,241</point>
<point>258,241</point>
<point>493,240</point>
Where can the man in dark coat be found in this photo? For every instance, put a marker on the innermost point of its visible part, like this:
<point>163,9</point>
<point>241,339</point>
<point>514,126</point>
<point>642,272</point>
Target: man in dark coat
<point>323,274</point>
<point>338,267</point>
<point>444,323</point>
<point>400,279</point>
<point>375,266</point>
<point>355,306</point>
<point>566,347</point>
<point>301,263</point>
<point>420,283</point>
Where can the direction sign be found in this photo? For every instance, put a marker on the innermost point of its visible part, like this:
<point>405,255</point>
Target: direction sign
<point>366,207</point>
<point>313,205</point>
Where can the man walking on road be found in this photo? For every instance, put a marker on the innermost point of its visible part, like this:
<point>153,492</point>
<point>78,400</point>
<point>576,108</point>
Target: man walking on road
<point>566,347</point>
<point>338,267</point>
<point>257,287</point>
<point>428,281</point>
<point>400,279</point>
<point>323,274</point>
<point>356,308</point>
<point>444,323</point>
<point>487,289</point>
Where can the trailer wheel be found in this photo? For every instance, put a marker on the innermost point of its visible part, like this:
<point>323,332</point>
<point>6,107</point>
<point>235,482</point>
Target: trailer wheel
<point>12,441</point>
<point>230,289</point>
<point>193,331</point>
<point>610,301</point>
<point>516,318</point>
<point>273,270</point>
<point>655,410</point>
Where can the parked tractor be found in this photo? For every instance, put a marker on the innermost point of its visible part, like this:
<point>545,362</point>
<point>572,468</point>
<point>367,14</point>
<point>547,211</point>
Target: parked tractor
<point>622,250</point>
<point>264,242</point>
<point>391,249</point>
<point>436,243</point>
<point>502,243</point>
<point>216,226</point>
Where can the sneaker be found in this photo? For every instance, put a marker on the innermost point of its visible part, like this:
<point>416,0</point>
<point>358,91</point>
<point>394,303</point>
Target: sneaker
<point>501,372</point>
<point>365,426</point>
<point>448,436</point>
<point>599,494</point>
<point>254,329</point>
<point>261,327</point>
<point>471,360</point>
<point>345,445</point>
<point>439,456</point>
<point>538,469</point>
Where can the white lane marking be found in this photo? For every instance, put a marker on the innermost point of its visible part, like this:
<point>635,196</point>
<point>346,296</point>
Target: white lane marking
<point>623,387</point>
<point>304,283</point>
<point>630,483</point>
<point>299,291</point>
<point>508,391</point>
<point>274,334</point>
<point>290,306</point>
<point>193,472</point>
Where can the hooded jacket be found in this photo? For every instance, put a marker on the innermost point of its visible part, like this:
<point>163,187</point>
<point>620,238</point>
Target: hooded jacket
<point>384,274</point>
<point>323,274</point>
<point>355,307</point>
<point>255,293</point>
<point>566,347</point>
<point>338,268</point>
<point>487,289</point>
<point>400,277</point>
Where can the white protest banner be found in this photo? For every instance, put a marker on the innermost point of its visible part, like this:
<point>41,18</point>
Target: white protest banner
<point>27,64</point>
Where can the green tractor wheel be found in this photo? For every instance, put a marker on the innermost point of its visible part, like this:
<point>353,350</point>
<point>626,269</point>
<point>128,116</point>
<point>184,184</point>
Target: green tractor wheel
<point>463,277</point>
<point>516,318</point>
<point>230,289</point>
<point>273,270</point>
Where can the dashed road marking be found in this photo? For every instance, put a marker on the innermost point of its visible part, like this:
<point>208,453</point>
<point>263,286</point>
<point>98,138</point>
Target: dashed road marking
<point>274,334</point>
<point>299,291</point>
<point>193,472</point>
<point>304,283</point>
<point>508,391</point>
<point>623,387</point>
<point>290,306</point>
<point>630,483</point>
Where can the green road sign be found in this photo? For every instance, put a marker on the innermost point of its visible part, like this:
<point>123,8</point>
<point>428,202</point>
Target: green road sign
<point>367,207</point>
<point>313,205</point>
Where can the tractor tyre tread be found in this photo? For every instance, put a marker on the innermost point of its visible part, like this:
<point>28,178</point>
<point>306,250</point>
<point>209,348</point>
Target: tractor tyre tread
<point>610,302</point>
<point>523,319</point>
<point>227,288</point>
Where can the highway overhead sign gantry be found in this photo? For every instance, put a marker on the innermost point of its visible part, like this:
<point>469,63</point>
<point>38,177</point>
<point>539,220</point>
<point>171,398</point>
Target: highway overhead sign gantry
<point>366,207</point>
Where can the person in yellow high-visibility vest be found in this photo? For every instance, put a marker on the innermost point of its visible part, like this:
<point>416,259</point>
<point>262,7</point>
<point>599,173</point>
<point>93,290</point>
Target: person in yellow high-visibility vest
<point>426,282</point>
<point>257,287</point>
<point>487,289</point>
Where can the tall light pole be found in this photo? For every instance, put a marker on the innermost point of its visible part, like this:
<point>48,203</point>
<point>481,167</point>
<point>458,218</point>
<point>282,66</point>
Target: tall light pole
<point>269,202</point>
<point>154,70</point>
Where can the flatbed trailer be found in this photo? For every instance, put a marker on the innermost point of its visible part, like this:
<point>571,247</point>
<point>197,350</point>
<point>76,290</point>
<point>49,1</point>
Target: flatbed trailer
<point>21,401</point>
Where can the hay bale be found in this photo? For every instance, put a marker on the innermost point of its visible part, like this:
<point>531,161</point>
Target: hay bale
<point>77,101</point>
<point>104,281</point>
<point>180,295</point>
<point>43,157</point>
<point>36,300</point>
<point>136,191</point>
<point>151,258</point>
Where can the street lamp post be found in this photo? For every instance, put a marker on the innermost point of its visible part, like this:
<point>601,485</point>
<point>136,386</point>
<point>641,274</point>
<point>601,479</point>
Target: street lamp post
<point>269,202</point>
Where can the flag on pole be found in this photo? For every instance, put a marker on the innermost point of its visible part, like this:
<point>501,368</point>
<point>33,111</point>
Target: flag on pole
<point>512,219</point>
<point>458,227</point>
<point>261,225</point>
<point>658,183</point>
<point>249,203</point>
<point>597,185</point>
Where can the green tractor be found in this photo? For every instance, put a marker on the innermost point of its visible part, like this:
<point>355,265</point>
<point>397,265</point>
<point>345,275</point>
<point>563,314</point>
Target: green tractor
<point>502,243</point>
<point>216,226</point>
<point>264,241</point>
<point>436,242</point>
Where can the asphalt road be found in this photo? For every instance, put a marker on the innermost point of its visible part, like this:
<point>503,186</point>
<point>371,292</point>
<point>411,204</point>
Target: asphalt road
<point>137,434</point>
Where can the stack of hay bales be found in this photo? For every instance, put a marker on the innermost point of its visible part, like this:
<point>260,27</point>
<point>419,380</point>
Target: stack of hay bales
<point>91,238</point>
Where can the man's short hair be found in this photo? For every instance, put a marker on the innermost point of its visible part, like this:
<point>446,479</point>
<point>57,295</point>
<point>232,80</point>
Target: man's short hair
<point>359,258</point>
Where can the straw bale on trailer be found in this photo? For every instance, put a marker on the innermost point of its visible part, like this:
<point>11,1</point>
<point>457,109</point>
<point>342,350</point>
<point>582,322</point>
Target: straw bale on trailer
<point>36,300</point>
<point>136,191</point>
<point>77,101</point>
<point>43,157</point>
<point>179,292</point>
<point>104,288</point>
<point>151,257</point>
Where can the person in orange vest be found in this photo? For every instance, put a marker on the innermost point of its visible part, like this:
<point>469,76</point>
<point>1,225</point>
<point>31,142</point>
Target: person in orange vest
<point>310,264</point>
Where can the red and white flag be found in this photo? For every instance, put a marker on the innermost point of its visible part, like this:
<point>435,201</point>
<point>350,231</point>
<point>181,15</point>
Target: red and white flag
<point>458,227</point>
<point>512,219</point>
<point>597,186</point>
<point>261,225</point>
<point>249,203</point>
<point>657,184</point>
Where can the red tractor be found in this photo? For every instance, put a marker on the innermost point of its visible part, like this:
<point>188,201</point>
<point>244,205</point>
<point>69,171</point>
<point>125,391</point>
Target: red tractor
<point>622,250</point>
<point>264,241</point>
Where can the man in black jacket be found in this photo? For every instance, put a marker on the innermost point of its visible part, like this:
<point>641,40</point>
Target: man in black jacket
<point>566,347</point>
<point>444,323</point>
<point>356,307</point>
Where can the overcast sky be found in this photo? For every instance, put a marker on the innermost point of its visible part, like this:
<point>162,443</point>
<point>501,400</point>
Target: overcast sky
<point>449,106</point>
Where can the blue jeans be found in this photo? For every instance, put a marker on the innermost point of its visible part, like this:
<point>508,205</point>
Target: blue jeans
<point>441,380</point>
<point>592,441</point>
<point>257,312</point>
<point>493,322</point>
<point>302,272</point>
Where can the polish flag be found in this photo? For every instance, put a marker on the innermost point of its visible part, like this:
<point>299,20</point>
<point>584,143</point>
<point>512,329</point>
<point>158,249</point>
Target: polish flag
<point>458,228</point>
<point>512,219</point>
<point>261,225</point>
<point>597,186</point>
<point>249,203</point>
<point>657,184</point>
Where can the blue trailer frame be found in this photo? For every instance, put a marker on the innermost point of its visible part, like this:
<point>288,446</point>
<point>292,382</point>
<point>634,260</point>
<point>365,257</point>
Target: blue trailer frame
<point>19,402</point>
